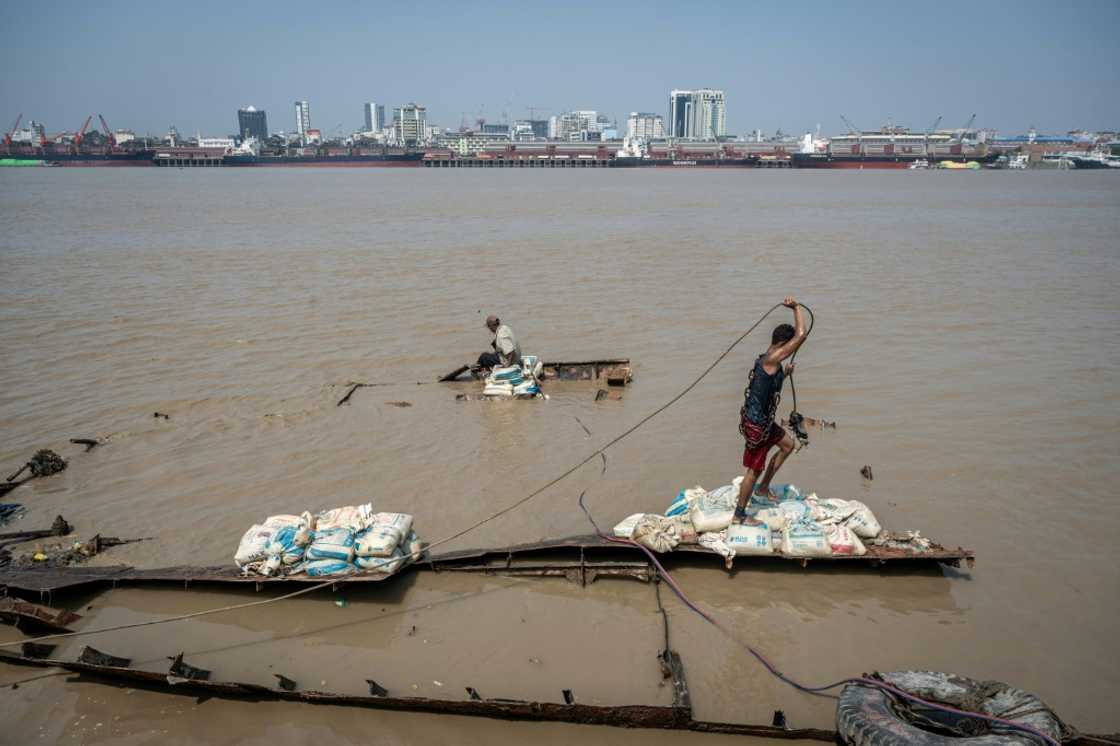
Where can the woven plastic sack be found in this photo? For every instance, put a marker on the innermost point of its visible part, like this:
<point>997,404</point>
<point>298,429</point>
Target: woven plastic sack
<point>656,532</point>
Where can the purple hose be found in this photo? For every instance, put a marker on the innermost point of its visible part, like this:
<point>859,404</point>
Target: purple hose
<point>867,681</point>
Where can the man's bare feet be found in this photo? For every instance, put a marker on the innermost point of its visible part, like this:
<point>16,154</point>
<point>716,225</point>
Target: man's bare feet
<point>769,495</point>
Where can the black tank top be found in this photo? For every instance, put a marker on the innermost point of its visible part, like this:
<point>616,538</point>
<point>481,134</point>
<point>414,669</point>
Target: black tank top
<point>763,393</point>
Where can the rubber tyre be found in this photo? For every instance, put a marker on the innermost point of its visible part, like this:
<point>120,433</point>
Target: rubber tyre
<point>865,716</point>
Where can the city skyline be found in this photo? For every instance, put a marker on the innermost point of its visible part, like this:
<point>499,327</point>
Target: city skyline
<point>1014,69</point>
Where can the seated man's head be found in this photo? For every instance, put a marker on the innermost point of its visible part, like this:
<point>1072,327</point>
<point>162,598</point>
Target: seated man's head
<point>492,323</point>
<point>782,334</point>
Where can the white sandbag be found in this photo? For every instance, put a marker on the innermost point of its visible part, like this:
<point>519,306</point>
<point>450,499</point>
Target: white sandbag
<point>327,568</point>
<point>498,389</point>
<point>750,540</point>
<point>805,539</point>
<point>270,566</point>
<point>656,532</point>
<point>354,517</point>
<point>289,543</point>
<point>506,374</point>
<point>851,513</point>
<point>843,540</point>
<point>527,388</point>
<point>333,544</point>
<point>795,511</point>
<point>625,528</point>
<point>772,517</point>
<point>684,501</point>
<point>412,548</point>
<point>685,529</point>
<point>383,536</point>
<point>254,545</point>
<point>532,366</point>
<point>388,565</point>
<point>279,521</point>
<point>714,510</point>
<point>717,542</point>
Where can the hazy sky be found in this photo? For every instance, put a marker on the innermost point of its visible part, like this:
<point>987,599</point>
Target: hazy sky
<point>790,65</point>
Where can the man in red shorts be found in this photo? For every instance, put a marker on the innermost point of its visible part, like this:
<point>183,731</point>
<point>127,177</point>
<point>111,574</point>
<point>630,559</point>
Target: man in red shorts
<point>756,419</point>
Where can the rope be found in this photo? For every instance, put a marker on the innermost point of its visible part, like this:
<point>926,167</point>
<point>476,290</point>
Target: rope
<point>478,524</point>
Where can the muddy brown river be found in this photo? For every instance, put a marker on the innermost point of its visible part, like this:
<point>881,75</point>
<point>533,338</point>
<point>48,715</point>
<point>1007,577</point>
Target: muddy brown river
<point>965,343</point>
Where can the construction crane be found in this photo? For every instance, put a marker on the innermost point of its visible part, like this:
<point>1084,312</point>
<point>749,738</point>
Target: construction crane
<point>12,131</point>
<point>81,133</point>
<point>108,133</point>
<point>851,127</point>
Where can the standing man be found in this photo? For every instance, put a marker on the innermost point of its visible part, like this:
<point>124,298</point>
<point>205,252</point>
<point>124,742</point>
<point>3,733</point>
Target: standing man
<point>756,419</point>
<point>506,350</point>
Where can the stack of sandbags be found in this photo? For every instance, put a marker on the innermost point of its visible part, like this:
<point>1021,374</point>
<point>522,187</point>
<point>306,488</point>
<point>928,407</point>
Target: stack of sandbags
<point>791,523</point>
<point>515,380</point>
<point>332,543</point>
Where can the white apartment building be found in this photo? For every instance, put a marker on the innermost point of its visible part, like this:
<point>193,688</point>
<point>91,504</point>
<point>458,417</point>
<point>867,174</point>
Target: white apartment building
<point>410,125</point>
<point>646,126</point>
<point>303,118</point>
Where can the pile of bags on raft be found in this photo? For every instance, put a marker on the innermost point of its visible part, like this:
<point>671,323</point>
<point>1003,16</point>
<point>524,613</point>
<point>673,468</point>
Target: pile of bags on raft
<point>331,543</point>
<point>794,525</point>
<point>520,381</point>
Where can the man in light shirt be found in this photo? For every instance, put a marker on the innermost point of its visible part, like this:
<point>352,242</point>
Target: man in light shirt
<point>506,350</point>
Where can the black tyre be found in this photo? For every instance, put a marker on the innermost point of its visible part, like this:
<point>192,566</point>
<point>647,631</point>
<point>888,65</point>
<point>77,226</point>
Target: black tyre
<point>870,716</point>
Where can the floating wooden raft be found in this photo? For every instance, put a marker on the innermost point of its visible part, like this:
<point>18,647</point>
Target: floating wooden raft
<point>582,559</point>
<point>614,372</point>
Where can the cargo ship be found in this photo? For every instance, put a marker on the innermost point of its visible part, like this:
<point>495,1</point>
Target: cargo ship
<point>337,157</point>
<point>890,147</point>
<point>61,157</point>
<point>638,153</point>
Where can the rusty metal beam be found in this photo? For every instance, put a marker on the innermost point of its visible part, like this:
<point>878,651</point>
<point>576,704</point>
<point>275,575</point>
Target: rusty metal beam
<point>677,717</point>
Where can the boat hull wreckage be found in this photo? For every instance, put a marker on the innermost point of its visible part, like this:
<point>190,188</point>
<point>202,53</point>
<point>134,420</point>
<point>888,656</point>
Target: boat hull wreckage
<point>582,559</point>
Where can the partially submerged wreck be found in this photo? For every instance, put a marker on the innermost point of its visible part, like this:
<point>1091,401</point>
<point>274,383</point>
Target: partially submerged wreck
<point>582,559</point>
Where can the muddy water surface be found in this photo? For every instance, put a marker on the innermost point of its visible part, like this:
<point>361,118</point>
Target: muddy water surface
<point>965,343</point>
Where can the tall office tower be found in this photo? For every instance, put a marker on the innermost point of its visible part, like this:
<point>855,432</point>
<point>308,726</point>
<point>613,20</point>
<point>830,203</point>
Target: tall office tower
<point>252,122</point>
<point>303,118</point>
<point>697,115</point>
<point>375,117</point>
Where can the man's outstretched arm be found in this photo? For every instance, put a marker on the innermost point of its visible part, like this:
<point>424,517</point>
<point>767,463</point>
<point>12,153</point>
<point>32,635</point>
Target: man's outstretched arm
<point>786,350</point>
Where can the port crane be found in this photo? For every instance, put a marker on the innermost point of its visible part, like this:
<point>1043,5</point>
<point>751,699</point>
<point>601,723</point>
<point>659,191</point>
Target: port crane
<point>852,129</point>
<point>108,133</point>
<point>12,131</point>
<point>81,133</point>
<point>930,131</point>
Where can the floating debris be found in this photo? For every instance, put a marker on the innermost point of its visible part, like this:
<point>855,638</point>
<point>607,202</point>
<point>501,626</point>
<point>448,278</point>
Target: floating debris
<point>401,404</point>
<point>44,463</point>
<point>161,416</point>
<point>866,472</point>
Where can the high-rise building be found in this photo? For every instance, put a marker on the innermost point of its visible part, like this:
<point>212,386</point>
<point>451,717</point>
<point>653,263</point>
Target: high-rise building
<point>303,118</point>
<point>697,115</point>
<point>577,126</point>
<point>540,128</point>
<point>410,125</point>
<point>646,126</point>
<point>375,117</point>
<point>252,122</point>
